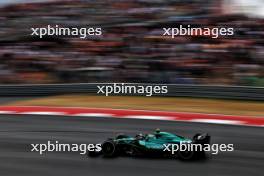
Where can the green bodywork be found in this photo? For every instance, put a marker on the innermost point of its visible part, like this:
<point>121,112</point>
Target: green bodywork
<point>154,141</point>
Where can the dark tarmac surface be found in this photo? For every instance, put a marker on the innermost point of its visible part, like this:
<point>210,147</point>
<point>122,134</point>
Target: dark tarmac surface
<point>19,131</point>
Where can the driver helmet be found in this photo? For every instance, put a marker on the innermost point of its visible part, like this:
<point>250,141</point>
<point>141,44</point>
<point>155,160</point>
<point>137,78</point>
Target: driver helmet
<point>157,131</point>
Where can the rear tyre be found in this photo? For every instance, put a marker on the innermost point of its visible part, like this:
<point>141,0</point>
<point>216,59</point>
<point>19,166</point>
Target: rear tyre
<point>186,155</point>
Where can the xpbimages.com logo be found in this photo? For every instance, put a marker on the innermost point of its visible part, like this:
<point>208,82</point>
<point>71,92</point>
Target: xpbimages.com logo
<point>56,146</point>
<point>190,147</point>
<point>66,31</point>
<point>122,88</point>
<point>198,31</point>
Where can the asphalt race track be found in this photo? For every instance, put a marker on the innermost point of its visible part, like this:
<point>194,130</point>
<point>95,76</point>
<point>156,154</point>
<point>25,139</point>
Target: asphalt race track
<point>19,131</point>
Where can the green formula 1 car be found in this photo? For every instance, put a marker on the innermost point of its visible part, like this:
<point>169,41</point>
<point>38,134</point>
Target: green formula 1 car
<point>160,144</point>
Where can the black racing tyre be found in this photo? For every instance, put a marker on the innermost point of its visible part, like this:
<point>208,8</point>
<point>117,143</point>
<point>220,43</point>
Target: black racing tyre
<point>109,148</point>
<point>186,155</point>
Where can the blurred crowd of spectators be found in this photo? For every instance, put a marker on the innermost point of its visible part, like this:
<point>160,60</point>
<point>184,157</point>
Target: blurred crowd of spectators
<point>132,48</point>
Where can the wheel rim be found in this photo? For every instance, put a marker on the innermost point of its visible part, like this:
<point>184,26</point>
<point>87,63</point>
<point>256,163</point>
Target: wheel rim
<point>108,148</point>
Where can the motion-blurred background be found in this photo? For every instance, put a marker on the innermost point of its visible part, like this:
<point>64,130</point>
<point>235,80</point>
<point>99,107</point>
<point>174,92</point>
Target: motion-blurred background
<point>132,49</point>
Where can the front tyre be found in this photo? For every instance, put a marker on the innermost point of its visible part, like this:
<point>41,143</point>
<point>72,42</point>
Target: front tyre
<point>109,148</point>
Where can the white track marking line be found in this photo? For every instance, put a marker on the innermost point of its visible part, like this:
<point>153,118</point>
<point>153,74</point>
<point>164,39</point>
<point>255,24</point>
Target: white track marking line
<point>7,112</point>
<point>217,121</point>
<point>93,115</point>
<point>43,113</point>
<point>150,117</point>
